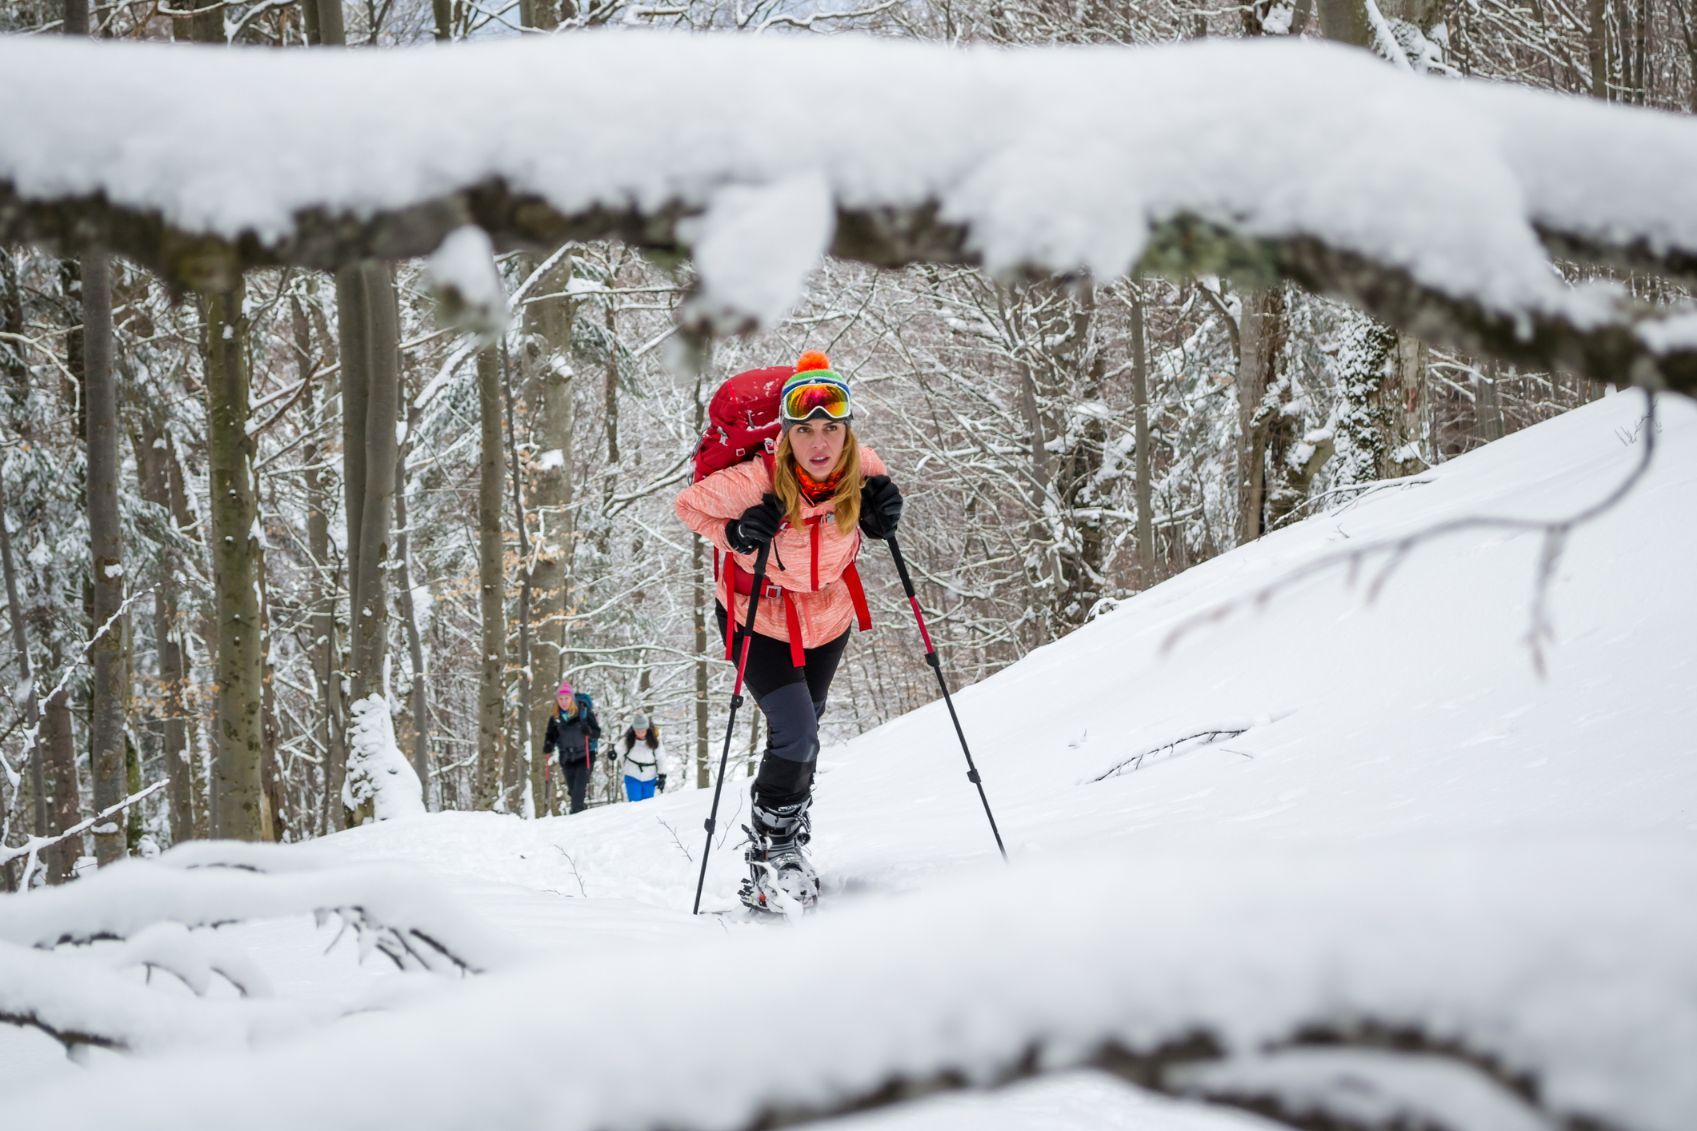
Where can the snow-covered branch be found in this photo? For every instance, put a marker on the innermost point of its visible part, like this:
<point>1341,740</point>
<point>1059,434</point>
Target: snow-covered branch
<point>1276,981</point>
<point>204,884</point>
<point>956,156</point>
<point>33,846</point>
<point>152,915</point>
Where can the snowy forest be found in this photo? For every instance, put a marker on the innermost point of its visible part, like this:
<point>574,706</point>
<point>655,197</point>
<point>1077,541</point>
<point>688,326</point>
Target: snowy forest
<point>353,356</point>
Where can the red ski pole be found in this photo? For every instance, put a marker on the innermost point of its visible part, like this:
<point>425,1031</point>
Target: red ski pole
<point>937,666</point>
<point>745,637</point>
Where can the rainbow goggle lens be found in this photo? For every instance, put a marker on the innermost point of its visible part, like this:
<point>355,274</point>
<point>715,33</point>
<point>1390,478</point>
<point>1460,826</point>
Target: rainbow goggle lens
<point>829,399</point>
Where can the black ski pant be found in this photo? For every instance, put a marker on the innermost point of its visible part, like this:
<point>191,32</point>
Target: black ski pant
<point>577,781</point>
<point>793,700</point>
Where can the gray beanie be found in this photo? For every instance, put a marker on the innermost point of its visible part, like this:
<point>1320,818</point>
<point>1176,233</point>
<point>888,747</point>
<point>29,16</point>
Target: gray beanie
<point>640,722</point>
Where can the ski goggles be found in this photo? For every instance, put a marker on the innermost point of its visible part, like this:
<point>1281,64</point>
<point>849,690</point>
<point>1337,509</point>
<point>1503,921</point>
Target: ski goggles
<point>808,399</point>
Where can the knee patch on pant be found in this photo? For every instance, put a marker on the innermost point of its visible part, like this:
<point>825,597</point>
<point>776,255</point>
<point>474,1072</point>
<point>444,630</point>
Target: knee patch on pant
<point>792,727</point>
<point>782,782</point>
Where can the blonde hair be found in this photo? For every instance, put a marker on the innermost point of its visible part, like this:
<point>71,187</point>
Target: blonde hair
<point>845,501</point>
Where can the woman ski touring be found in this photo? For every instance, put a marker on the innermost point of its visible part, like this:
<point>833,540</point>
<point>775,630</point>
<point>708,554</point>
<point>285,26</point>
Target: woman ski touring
<point>811,499</point>
<point>574,733</point>
<point>644,762</point>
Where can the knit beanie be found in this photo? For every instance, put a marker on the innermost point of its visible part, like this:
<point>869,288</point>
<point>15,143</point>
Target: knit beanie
<point>813,366</point>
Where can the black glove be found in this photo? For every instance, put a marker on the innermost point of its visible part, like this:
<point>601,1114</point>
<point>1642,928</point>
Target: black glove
<point>757,526</point>
<point>660,783</point>
<point>880,507</point>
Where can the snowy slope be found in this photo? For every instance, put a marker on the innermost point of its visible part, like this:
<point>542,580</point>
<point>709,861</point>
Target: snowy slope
<point>1412,826</point>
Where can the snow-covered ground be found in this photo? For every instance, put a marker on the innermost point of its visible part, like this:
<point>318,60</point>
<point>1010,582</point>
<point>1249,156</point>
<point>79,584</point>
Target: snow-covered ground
<point>1397,819</point>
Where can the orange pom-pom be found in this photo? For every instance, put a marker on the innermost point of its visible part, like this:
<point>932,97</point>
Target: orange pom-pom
<point>812,359</point>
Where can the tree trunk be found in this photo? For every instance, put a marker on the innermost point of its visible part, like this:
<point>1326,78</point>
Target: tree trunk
<point>1345,21</point>
<point>1488,406</point>
<point>1261,338</point>
<point>26,677</point>
<point>1405,411</point>
<point>324,586</point>
<point>1293,461</point>
<point>65,807</point>
<point>153,455</point>
<point>547,371</point>
<point>111,691</point>
<point>236,775</point>
<point>518,754</point>
<point>492,587</point>
<point>274,817</point>
<point>14,370</point>
<point>1080,486</point>
<point>369,321</point>
<point>110,705</point>
<point>331,30</point>
<point>610,390</point>
<point>1364,362</point>
<point>1144,488</point>
<point>1597,48</point>
<point>409,615</point>
<point>381,404</point>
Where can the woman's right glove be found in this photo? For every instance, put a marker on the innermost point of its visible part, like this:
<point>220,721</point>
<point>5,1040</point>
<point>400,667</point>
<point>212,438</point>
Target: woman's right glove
<point>757,526</point>
<point>880,507</point>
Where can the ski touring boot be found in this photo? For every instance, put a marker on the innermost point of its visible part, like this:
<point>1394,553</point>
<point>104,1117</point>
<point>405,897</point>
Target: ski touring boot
<point>780,879</point>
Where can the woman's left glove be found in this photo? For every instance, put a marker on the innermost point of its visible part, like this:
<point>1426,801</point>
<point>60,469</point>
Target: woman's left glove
<point>880,507</point>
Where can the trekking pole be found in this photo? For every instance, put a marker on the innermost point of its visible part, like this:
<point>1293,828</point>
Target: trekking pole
<point>745,636</point>
<point>937,666</point>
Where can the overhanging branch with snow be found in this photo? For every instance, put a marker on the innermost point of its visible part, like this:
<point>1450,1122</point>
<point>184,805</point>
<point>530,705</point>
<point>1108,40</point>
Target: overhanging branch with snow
<point>1435,205</point>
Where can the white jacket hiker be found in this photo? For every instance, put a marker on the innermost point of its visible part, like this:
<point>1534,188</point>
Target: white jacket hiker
<point>643,759</point>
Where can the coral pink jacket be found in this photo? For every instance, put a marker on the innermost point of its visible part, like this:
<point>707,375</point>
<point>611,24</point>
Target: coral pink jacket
<point>806,589</point>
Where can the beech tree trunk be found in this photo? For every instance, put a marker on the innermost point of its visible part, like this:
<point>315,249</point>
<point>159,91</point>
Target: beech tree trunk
<point>492,742</point>
<point>154,454</point>
<point>546,371</point>
<point>1079,486</point>
<point>1144,488</point>
<point>109,713</point>
<point>409,615</point>
<point>26,676</point>
<point>237,809</point>
<point>109,708</point>
<point>324,587</point>
<point>1405,410</point>
<point>367,463</point>
<point>65,804</point>
<point>1261,339</point>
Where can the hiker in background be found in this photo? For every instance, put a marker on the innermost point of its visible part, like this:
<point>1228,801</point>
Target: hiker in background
<point>812,499</point>
<point>574,734</point>
<point>645,761</point>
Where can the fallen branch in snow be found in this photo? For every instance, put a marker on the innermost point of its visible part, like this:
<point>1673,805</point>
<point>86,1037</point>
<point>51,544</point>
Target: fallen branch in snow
<point>572,864</point>
<point>674,834</point>
<point>1359,491</point>
<point>1553,535</point>
<point>1207,737</point>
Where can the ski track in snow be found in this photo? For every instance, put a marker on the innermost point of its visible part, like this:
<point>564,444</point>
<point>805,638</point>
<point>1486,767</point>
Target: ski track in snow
<point>1406,737</point>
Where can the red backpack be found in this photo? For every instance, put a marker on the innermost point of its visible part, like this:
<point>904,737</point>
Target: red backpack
<point>742,420</point>
<point>742,423</point>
